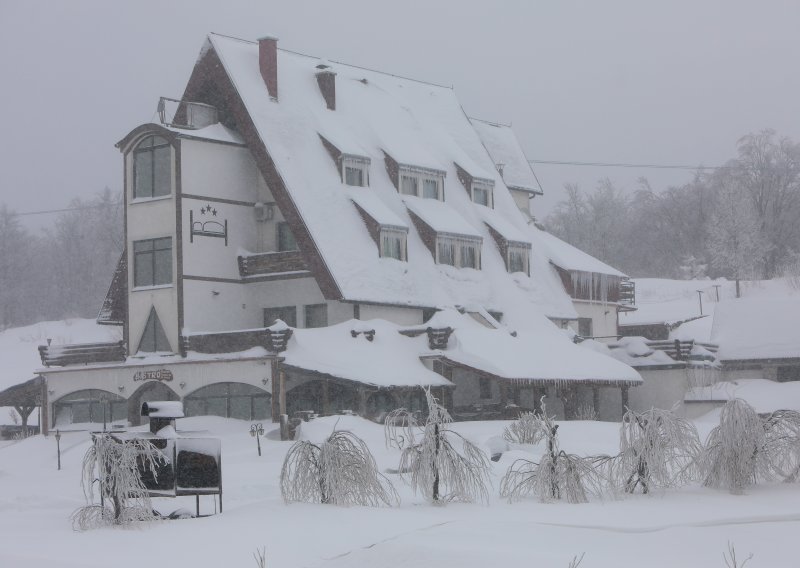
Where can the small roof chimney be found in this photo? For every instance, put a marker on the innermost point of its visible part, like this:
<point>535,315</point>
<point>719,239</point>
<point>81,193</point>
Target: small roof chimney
<point>268,63</point>
<point>326,79</point>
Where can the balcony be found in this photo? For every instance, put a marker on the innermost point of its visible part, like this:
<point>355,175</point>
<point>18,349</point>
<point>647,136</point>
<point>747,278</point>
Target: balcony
<point>271,339</point>
<point>82,354</point>
<point>271,263</point>
<point>185,114</point>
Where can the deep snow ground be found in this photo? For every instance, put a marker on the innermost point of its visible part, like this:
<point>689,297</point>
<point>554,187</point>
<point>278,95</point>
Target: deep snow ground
<point>683,528</point>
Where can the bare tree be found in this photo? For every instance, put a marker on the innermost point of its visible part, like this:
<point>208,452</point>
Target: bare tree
<point>436,467</point>
<point>340,471</point>
<point>117,466</point>
<point>527,429</point>
<point>657,449</point>
<point>557,475</point>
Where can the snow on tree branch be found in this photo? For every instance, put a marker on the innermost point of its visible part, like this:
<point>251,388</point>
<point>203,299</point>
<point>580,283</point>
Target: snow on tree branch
<point>340,471</point>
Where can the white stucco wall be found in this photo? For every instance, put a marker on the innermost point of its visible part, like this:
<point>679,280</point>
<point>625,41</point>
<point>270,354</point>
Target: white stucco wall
<point>604,317</point>
<point>218,170</point>
<point>662,388</point>
<point>522,200</point>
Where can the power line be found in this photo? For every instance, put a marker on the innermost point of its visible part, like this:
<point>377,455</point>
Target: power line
<point>62,210</point>
<point>625,165</point>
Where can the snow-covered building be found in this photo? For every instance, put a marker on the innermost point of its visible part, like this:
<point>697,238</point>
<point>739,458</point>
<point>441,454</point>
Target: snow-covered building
<point>309,235</point>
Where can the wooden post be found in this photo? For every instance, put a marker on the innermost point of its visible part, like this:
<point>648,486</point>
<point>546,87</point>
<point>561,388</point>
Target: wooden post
<point>362,402</point>
<point>596,401</point>
<point>281,392</point>
<point>624,391</point>
<point>44,414</point>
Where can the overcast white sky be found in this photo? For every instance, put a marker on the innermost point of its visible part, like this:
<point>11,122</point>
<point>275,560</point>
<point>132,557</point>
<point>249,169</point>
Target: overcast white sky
<point>611,81</point>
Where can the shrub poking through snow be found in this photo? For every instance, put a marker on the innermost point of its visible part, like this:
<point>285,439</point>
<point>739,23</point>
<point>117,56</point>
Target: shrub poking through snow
<point>557,475</point>
<point>743,448</point>
<point>340,471</point>
<point>657,449</point>
<point>116,466</point>
<point>527,429</point>
<point>436,467</point>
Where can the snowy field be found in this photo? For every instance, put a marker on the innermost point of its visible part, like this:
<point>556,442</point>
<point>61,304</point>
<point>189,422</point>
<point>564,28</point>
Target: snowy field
<point>677,528</point>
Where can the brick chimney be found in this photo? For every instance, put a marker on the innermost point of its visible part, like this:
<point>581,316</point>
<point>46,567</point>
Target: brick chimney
<point>326,79</point>
<point>268,63</point>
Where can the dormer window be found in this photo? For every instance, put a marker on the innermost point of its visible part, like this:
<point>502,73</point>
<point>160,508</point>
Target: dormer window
<point>482,193</point>
<point>355,170</point>
<point>458,250</point>
<point>422,183</point>
<point>393,242</point>
<point>518,257</point>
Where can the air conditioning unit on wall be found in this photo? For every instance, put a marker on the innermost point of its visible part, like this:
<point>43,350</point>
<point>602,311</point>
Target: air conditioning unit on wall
<point>264,212</point>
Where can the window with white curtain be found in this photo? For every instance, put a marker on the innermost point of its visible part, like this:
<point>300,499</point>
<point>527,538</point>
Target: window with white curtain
<point>393,243</point>
<point>518,258</point>
<point>355,170</point>
<point>422,183</point>
<point>458,250</point>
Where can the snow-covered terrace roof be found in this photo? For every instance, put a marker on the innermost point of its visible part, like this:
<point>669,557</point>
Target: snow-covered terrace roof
<point>538,354</point>
<point>389,360</point>
<point>415,123</point>
<point>757,328</point>
<point>504,148</point>
<point>566,256</point>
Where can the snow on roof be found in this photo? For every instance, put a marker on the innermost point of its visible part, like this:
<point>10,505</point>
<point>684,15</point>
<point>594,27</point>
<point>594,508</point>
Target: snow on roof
<point>503,146</point>
<point>757,328</point>
<point>375,208</point>
<point>540,353</point>
<point>632,351</point>
<point>439,216</point>
<point>499,223</point>
<point>568,257</point>
<point>217,132</point>
<point>416,123</point>
<point>389,360</point>
<point>763,395</point>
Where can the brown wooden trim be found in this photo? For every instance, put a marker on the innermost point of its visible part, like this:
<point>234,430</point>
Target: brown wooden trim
<point>179,238</point>
<point>218,200</point>
<point>386,304</point>
<point>210,84</point>
<point>266,278</point>
<point>141,131</point>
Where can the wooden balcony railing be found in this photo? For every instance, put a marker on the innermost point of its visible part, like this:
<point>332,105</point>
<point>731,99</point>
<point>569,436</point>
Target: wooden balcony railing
<point>271,263</point>
<point>82,353</point>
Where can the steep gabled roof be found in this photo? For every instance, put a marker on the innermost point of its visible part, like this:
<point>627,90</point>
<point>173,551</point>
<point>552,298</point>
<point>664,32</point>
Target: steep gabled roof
<point>568,257</point>
<point>757,328</point>
<point>503,146</point>
<point>376,114</point>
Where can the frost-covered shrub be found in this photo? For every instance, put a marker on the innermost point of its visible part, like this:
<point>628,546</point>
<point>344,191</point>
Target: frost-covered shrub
<point>527,429</point>
<point>340,471</point>
<point>436,467</point>
<point>657,449</point>
<point>117,465</point>
<point>557,475</point>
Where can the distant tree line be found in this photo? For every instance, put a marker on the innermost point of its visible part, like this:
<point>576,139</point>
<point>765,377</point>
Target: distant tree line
<point>740,221</point>
<point>65,269</point>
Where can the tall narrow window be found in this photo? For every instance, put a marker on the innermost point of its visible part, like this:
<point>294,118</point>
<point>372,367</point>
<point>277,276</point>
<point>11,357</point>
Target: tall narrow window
<point>446,252</point>
<point>153,338</point>
<point>481,194</point>
<point>469,255</point>
<point>408,185</point>
<point>152,262</point>
<point>152,168</point>
<point>286,240</point>
<point>585,327</point>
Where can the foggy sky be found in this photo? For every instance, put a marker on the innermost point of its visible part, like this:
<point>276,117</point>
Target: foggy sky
<point>609,81</point>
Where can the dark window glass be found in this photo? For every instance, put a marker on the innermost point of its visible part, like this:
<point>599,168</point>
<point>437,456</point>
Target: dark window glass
<point>353,176</point>
<point>286,240</point>
<point>517,260</point>
<point>585,327</point>
<point>286,313</point>
<point>430,188</point>
<point>469,256</point>
<point>230,400</point>
<point>408,185</point>
<point>485,387</point>
<point>316,315</point>
<point>152,262</point>
<point>447,252</point>
<point>480,195</point>
<point>152,168</point>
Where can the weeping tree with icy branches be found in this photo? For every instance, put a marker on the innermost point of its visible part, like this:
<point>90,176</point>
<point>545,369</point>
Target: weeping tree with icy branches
<point>557,475</point>
<point>657,449</point>
<point>339,471</point>
<point>117,467</point>
<point>441,464</point>
<point>746,448</point>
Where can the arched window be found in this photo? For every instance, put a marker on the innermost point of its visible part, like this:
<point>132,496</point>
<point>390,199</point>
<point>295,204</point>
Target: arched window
<point>229,400</point>
<point>92,405</point>
<point>152,168</point>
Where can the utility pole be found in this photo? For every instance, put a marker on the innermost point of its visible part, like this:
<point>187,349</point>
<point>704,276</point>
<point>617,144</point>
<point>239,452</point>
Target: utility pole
<point>716,288</point>
<point>700,297</point>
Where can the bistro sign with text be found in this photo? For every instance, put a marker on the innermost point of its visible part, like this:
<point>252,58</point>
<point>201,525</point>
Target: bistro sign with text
<point>158,375</point>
